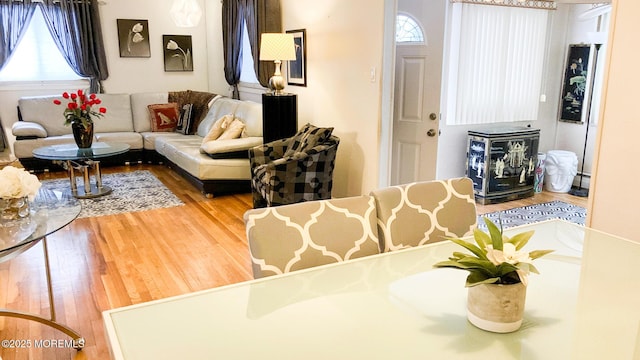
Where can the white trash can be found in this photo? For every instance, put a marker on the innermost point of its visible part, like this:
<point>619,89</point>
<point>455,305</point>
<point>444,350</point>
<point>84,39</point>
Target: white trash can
<point>560,168</point>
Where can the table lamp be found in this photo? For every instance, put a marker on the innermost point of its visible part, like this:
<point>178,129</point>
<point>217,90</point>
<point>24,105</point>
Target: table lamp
<point>277,47</point>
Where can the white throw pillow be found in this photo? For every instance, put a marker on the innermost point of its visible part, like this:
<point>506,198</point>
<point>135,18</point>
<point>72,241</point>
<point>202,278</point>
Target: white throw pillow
<point>218,128</point>
<point>233,130</point>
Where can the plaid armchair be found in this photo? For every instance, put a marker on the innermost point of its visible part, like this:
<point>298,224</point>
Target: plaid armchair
<point>277,179</point>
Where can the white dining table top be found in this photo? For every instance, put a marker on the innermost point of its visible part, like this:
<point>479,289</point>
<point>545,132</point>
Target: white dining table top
<point>584,304</point>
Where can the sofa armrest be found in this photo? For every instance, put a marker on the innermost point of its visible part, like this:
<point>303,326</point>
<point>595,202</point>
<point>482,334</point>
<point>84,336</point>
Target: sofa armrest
<point>28,129</point>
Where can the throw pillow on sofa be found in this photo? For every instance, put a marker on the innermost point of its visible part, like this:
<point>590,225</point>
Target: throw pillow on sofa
<point>218,128</point>
<point>164,117</point>
<point>306,138</point>
<point>185,120</point>
<point>233,131</point>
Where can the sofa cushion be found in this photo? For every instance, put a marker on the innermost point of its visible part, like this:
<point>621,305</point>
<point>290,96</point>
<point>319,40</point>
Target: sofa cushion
<point>118,117</point>
<point>149,138</point>
<point>42,110</point>
<point>306,138</point>
<point>220,107</point>
<point>184,151</point>
<point>199,100</point>
<point>250,113</point>
<point>140,110</point>
<point>134,139</point>
<point>164,117</point>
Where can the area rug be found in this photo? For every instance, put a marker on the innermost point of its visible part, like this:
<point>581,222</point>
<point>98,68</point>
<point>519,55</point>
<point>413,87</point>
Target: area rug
<point>132,191</point>
<point>534,213</point>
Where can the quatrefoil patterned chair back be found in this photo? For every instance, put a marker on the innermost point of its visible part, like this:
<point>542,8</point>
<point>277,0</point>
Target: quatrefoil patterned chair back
<point>302,235</point>
<point>425,212</point>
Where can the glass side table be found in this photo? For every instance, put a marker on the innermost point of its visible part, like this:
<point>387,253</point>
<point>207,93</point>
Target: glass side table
<point>49,212</point>
<point>85,161</point>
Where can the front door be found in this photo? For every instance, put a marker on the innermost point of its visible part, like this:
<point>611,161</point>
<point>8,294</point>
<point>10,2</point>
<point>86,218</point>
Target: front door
<point>417,87</point>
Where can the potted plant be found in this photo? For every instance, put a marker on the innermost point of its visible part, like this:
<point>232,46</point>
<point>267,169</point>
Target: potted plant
<point>498,271</point>
<point>79,114</point>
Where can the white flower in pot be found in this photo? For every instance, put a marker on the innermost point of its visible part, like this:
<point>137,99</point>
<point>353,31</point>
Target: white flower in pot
<point>498,275</point>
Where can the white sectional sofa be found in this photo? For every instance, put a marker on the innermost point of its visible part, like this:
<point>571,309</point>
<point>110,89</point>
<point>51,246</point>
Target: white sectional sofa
<point>223,167</point>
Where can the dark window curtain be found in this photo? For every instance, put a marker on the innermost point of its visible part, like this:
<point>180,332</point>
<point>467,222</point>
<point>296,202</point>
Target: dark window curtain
<point>75,27</point>
<point>262,16</point>
<point>232,18</point>
<point>14,20</point>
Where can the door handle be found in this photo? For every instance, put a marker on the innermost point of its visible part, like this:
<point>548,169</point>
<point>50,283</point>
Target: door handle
<point>431,132</point>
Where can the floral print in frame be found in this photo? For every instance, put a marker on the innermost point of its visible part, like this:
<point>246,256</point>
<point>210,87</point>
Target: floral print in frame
<point>178,52</point>
<point>133,36</point>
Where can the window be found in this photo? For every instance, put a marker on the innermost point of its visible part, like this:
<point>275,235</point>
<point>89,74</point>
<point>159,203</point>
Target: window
<point>37,57</point>
<point>497,58</point>
<point>408,30</point>
<point>247,73</point>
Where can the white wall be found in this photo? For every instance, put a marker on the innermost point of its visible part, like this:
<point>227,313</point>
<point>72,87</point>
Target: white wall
<point>614,199</point>
<point>344,42</point>
<point>129,75</point>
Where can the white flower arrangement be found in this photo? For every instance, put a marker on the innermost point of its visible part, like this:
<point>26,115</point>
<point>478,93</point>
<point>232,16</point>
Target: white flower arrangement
<point>495,258</point>
<point>17,183</point>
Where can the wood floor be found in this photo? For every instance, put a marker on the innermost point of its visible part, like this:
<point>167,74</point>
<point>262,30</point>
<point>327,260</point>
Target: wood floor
<point>117,260</point>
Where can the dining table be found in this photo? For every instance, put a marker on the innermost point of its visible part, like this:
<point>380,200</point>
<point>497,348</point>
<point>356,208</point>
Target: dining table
<point>583,304</point>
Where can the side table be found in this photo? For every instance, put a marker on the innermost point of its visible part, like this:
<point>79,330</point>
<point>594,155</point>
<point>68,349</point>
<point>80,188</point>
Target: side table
<point>279,116</point>
<point>50,212</point>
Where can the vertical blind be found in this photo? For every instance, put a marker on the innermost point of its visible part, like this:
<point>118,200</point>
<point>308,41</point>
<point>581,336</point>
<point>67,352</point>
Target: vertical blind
<point>500,61</point>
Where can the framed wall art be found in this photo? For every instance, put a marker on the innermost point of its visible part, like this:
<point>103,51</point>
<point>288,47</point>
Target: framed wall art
<point>178,52</point>
<point>297,69</point>
<point>576,84</point>
<point>133,37</point>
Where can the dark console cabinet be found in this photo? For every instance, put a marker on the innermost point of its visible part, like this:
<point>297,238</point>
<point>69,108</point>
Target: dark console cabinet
<point>279,116</point>
<point>501,162</point>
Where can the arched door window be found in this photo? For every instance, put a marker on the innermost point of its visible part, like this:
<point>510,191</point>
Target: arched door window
<point>408,30</point>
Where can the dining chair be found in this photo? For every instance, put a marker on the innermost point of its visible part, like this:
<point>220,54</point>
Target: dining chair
<point>424,212</point>
<point>307,234</point>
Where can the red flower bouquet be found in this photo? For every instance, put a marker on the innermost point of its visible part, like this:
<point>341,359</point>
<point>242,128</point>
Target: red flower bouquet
<point>79,108</point>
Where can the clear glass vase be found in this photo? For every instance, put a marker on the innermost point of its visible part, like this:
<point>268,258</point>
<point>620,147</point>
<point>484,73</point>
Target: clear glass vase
<point>13,209</point>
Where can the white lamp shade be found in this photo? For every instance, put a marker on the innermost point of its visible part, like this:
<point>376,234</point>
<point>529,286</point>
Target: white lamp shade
<point>186,13</point>
<point>277,46</point>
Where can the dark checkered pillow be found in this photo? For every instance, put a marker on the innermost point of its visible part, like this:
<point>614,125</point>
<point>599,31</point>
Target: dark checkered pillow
<point>306,138</point>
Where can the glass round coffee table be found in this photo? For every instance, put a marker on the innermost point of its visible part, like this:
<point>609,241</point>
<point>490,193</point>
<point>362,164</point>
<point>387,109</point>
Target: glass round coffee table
<point>49,212</point>
<point>85,161</point>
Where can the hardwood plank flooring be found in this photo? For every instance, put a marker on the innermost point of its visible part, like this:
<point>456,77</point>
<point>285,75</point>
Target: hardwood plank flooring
<point>117,260</point>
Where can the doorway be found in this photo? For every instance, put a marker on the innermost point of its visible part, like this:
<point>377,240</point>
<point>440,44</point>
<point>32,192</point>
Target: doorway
<point>417,88</point>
